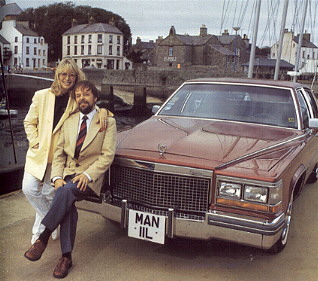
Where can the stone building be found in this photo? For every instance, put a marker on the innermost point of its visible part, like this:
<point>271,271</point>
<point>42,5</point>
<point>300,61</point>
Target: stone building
<point>178,50</point>
<point>146,49</point>
<point>95,45</point>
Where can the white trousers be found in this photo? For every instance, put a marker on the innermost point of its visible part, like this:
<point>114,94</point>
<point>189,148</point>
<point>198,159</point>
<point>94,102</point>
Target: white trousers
<point>40,195</point>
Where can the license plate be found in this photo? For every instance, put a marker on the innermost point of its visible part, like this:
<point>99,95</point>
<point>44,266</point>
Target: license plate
<point>146,226</point>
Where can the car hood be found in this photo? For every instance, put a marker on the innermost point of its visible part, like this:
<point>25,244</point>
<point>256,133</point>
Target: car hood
<point>218,142</point>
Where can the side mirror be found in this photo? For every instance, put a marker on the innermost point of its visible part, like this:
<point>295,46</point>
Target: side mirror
<point>313,123</point>
<point>155,109</point>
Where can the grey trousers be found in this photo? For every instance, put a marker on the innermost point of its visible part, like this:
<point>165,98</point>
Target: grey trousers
<point>63,212</point>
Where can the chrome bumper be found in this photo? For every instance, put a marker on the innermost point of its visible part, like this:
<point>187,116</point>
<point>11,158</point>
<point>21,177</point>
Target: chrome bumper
<point>217,225</point>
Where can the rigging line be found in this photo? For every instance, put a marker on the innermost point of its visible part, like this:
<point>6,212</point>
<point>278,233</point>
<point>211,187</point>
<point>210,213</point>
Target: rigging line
<point>233,23</point>
<point>224,13</point>
<point>244,13</point>
<point>262,39</point>
<point>251,18</point>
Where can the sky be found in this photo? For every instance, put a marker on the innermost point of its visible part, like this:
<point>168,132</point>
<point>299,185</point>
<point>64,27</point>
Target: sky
<point>149,19</point>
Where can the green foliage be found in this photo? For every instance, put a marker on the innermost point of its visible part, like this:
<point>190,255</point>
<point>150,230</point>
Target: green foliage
<point>53,20</point>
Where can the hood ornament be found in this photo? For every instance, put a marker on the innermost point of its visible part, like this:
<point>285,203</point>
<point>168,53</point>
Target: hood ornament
<point>162,148</point>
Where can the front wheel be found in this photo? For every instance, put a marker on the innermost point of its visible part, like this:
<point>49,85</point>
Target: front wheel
<point>313,175</point>
<point>282,241</point>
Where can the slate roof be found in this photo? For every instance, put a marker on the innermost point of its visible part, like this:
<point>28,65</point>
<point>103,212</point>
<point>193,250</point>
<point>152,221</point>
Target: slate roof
<point>3,40</point>
<point>9,10</point>
<point>305,43</point>
<point>222,50</point>
<point>25,30</point>
<point>271,63</point>
<point>193,40</point>
<point>226,39</point>
<point>93,28</point>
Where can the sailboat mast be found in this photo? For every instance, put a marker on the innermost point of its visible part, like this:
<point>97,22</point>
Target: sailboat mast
<point>252,55</point>
<point>300,40</point>
<point>280,43</point>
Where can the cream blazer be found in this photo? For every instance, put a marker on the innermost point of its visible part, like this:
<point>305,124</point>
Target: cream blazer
<point>38,125</point>
<point>96,155</point>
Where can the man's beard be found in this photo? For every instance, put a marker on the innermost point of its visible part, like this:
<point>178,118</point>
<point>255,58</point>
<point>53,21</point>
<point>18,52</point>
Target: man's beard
<point>87,109</point>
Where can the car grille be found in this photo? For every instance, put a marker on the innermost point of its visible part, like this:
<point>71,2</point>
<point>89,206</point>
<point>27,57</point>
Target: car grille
<point>185,194</point>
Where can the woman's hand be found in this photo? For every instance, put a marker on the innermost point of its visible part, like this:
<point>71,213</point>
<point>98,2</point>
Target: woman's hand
<point>102,116</point>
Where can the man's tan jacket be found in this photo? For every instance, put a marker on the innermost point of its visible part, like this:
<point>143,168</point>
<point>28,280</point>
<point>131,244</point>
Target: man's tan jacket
<point>96,155</point>
<point>38,125</point>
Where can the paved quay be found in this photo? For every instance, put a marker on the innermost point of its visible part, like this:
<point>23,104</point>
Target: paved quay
<point>104,252</point>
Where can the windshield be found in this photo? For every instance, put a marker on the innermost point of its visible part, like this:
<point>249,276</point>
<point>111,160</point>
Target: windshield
<point>254,104</point>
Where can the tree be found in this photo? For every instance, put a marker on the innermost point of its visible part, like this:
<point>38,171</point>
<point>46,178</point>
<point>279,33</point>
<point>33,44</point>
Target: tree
<point>53,20</point>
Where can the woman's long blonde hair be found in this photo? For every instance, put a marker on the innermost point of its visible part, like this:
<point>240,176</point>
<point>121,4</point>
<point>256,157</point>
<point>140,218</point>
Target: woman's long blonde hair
<point>67,65</point>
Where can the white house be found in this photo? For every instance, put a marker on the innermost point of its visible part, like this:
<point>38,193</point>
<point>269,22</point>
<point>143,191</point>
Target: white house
<point>29,50</point>
<point>308,53</point>
<point>98,45</point>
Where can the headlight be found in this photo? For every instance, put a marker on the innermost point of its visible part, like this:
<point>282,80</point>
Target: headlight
<point>231,190</point>
<point>255,194</point>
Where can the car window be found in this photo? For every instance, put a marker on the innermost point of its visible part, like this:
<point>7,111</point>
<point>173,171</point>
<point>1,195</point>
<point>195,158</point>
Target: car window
<point>311,101</point>
<point>255,104</point>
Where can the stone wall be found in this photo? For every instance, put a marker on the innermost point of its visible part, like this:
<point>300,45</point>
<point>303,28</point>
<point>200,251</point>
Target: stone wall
<point>159,82</point>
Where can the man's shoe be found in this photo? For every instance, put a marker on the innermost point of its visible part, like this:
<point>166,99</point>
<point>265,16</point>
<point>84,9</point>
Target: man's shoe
<point>35,251</point>
<point>61,269</point>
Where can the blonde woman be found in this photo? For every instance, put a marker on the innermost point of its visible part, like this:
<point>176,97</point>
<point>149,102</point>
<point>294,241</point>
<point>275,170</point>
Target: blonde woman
<point>48,111</point>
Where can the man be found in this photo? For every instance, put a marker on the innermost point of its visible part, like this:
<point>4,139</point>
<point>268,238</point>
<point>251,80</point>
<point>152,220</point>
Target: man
<point>82,156</point>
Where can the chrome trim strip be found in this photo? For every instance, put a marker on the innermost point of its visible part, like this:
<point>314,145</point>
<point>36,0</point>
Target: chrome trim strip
<point>253,226</point>
<point>162,168</point>
<point>170,229</point>
<point>124,209</point>
<point>260,152</point>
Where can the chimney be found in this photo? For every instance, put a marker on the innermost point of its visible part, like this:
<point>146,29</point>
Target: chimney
<point>159,39</point>
<point>246,40</point>
<point>226,32</point>
<point>91,21</point>
<point>112,21</point>
<point>203,30</point>
<point>306,36</point>
<point>74,22</point>
<point>138,40</point>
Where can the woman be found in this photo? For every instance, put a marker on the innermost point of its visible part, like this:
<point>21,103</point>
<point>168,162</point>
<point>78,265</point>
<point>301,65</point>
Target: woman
<point>48,111</point>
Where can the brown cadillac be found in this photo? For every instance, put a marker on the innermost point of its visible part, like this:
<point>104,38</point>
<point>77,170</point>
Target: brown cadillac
<point>220,159</point>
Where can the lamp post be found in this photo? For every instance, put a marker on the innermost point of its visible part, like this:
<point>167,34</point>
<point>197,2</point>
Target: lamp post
<point>236,28</point>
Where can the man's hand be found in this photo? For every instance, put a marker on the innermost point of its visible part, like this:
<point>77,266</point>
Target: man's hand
<point>58,183</point>
<point>102,119</point>
<point>82,181</point>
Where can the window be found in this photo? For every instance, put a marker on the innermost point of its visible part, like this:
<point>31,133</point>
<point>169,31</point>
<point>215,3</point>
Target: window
<point>83,39</point>
<point>99,49</point>
<point>68,39</point>
<point>39,52</point>
<point>43,62</point>
<point>16,39</point>
<point>89,49</point>
<point>28,40</point>
<point>303,54</point>
<point>43,52</point>
<point>118,50</point>
<point>34,40</point>
<point>68,50</point>
<point>75,39</point>
<point>111,39</point>
<point>89,38</point>
<point>118,40</point>
<point>75,50</point>
<point>100,38</point>
<point>82,50</point>
<point>15,49</point>
<point>39,62</point>
<point>27,62</point>
<point>170,52</point>
<point>15,61</point>
<point>110,50</point>
<point>34,51</point>
<point>27,50</point>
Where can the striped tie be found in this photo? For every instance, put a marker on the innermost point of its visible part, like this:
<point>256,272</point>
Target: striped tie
<point>81,137</point>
